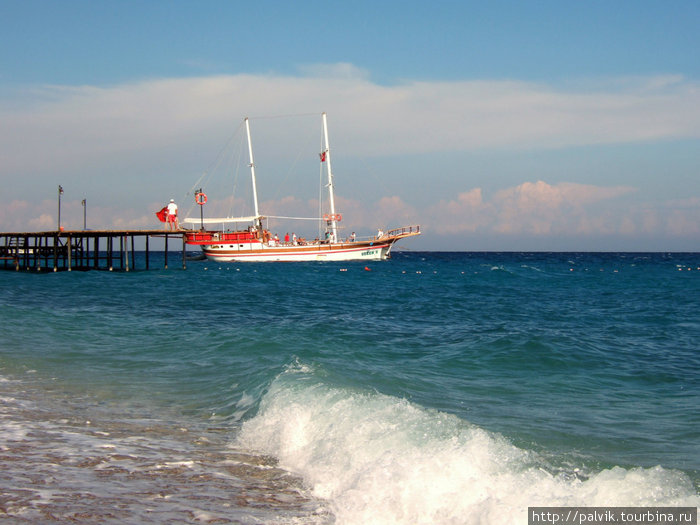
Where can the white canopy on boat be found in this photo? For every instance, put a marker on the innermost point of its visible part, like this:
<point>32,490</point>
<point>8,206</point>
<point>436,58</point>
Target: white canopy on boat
<point>221,220</point>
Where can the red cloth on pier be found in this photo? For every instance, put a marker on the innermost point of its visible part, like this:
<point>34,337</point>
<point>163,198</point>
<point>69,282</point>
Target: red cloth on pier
<point>162,214</point>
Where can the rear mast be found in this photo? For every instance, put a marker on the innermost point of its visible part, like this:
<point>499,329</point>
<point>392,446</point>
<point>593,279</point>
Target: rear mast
<point>331,197</point>
<point>258,220</point>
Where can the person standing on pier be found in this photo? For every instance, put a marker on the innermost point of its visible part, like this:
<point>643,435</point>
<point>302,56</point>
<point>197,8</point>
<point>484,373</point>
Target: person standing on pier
<point>172,215</point>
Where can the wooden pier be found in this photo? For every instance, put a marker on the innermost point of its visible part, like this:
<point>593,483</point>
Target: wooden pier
<point>110,250</point>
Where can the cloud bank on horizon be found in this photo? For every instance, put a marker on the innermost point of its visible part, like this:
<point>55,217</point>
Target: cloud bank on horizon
<point>128,147</point>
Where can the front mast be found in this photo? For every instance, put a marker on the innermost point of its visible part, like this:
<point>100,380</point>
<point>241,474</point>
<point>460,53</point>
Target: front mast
<point>258,220</point>
<point>331,199</point>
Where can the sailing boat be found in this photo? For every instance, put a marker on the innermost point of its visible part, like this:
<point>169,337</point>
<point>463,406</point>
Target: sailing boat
<point>254,243</point>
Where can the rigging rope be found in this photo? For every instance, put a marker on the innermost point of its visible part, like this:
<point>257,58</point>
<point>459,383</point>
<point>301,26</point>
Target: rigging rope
<point>213,167</point>
<point>285,116</point>
<point>320,219</point>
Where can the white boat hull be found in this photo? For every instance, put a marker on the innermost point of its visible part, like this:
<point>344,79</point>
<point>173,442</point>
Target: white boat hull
<point>323,252</point>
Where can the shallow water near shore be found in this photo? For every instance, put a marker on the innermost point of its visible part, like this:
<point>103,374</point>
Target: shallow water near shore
<point>434,388</point>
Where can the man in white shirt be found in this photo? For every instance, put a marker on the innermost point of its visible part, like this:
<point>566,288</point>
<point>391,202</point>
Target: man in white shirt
<point>172,215</point>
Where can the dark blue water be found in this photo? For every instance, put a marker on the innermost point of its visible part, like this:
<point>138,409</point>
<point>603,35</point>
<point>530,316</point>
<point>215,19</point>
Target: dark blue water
<point>436,387</point>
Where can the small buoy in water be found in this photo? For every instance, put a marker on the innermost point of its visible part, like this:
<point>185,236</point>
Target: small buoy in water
<point>343,269</point>
<point>367,269</point>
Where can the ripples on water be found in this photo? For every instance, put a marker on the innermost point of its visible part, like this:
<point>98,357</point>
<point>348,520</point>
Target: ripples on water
<point>434,388</point>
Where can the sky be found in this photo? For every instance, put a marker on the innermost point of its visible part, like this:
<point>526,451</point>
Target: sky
<point>505,126</point>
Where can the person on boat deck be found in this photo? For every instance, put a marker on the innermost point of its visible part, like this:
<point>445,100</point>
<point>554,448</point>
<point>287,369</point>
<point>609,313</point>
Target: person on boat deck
<point>352,236</point>
<point>380,233</point>
<point>294,238</point>
<point>286,238</point>
<point>171,219</point>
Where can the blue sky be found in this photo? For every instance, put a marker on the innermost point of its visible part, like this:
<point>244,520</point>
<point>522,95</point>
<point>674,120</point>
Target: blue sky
<point>495,125</point>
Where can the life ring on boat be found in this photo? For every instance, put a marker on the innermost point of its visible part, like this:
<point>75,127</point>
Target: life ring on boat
<point>200,198</point>
<point>333,217</point>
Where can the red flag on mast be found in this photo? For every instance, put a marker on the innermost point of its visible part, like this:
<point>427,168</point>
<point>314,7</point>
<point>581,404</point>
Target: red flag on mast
<point>323,156</point>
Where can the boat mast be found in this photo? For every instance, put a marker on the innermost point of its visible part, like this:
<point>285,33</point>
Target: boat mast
<point>258,221</point>
<point>331,199</point>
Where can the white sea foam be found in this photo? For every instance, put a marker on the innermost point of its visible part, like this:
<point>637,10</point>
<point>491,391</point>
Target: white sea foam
<point>379,459</point>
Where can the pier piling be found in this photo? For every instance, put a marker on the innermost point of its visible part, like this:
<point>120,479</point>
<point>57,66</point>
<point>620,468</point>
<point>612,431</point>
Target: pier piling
<point>72,250</point>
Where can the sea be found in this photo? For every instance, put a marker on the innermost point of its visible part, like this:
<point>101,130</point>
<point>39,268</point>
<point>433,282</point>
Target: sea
<point>433,388</point>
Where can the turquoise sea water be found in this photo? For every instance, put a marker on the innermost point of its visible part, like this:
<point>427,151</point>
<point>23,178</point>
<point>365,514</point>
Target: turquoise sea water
<point>432,388</point>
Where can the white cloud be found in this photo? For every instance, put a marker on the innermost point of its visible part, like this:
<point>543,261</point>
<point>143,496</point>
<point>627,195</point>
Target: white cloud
<point>340,70</point>
<point>530,208</point>
<point>149,134</point>
<point>69,126</point>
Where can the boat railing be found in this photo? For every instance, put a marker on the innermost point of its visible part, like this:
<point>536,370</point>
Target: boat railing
<point>404,230</point>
